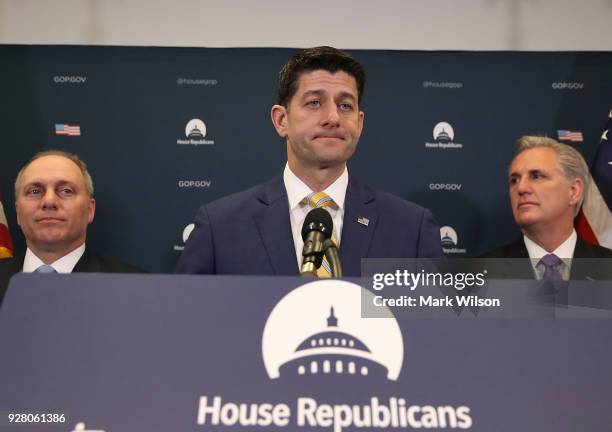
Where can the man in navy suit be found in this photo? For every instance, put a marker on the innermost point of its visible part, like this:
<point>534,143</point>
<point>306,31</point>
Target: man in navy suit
<point>257,231</point>
<point>547,181</point>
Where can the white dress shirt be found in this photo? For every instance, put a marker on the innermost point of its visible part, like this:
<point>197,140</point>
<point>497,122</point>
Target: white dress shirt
<point>63,265</point>
<point>565,251</point>
<point>297,191</point>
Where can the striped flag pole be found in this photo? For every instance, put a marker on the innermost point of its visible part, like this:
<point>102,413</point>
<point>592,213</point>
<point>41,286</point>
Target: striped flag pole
<point>6,246</point>
<point>594,224</point>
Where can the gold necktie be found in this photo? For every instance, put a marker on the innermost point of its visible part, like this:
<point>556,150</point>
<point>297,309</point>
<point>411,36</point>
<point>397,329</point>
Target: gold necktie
<point>322,200</point>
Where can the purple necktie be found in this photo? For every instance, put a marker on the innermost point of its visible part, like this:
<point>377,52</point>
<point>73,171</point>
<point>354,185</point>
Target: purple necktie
<point>551,264</point>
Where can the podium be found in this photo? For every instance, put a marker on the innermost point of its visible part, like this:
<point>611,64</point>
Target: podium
<point>210,353</point>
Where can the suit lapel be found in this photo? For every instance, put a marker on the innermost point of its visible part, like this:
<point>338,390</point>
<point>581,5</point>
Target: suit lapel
<point>274,227</point>
<point>9,267</point>
<point>584,250</point>
<point>356,237</point>
<point>88,263</point>
<point>517,249</point>
<point>13,265</point>
<point>586,269</point>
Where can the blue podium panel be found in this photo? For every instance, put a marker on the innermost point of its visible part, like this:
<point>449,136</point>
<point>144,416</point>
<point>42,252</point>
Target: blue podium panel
<point>198,353</point>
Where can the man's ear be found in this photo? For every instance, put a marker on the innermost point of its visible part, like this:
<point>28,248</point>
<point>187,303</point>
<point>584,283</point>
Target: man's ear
<point>576,191</point>
<point>279,120</point>
<point>17,212</point>
<point>91,211</point>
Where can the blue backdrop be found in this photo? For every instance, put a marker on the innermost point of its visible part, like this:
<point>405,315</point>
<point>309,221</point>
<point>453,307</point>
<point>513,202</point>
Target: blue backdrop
<point>133,106</point>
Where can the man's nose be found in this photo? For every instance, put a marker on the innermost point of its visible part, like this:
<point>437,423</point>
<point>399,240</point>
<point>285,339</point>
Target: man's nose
<point>49,200</point>
<point>332,115</point>
<point>523,186</point>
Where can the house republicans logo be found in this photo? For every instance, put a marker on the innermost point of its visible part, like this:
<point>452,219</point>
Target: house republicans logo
<point>185,236</point>
<point>80,427</point>
<point>449,238</point>
<point>443,132</point>
<point>317,329</point>
<point>316,335</point>
<point>443,135</point>
<point>195,132</point>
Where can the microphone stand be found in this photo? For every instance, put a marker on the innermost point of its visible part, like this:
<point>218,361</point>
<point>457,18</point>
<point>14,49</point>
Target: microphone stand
<point>333,257</point>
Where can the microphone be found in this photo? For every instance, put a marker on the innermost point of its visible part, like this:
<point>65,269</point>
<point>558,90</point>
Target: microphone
<point>317,228</point>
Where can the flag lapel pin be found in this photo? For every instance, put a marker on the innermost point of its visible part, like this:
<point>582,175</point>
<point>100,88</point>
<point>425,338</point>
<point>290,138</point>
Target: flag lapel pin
<point>363,221</point>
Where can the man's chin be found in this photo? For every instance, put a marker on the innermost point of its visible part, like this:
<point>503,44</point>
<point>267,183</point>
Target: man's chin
<point>332,158</point>
<point>526,223</point>
<point>50,240</point>
<point>330,163</point>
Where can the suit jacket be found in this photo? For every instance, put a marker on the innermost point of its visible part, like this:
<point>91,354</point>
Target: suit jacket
<point>250,232</point>
<point>89,263</point>
<point>597,269</point>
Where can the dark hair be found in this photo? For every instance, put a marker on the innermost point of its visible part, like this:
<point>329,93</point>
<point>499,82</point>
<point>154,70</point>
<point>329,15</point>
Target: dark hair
<point>319,58</point>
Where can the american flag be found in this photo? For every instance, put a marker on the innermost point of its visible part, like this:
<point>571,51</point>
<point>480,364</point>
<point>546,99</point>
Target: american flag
<point>567,135</point>
<point>6,247</point>
<point>595,219</point>
<point>68,130</point>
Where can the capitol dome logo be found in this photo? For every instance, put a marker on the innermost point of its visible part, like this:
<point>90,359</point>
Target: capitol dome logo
<point>195,131</point>
<point>443,137</point>
<point>317,329</point>
<point>443,132</point>
<point>187,232</point>
<point>184,236</point>
<point>448,236</point>
<point>449,239</point>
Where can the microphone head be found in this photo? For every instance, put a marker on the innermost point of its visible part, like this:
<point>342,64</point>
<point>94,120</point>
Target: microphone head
<point>320,220</point>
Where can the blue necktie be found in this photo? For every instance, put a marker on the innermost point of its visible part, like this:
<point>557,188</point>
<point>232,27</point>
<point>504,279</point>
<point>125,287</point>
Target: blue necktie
<point>45,269</point>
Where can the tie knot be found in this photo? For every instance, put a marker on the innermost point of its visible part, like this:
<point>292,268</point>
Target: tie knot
<point>45,269</point>
<point>550,261</point>
<point>320,200</point>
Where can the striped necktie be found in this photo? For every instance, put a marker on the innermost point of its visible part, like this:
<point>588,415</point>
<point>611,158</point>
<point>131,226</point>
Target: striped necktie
<point>322,200</point>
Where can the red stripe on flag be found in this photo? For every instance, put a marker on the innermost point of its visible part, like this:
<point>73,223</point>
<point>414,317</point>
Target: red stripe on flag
<point>5,238</point>
<point>584,230</point>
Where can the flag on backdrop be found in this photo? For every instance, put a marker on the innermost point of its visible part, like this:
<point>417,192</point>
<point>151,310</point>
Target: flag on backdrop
<point>594,223</point>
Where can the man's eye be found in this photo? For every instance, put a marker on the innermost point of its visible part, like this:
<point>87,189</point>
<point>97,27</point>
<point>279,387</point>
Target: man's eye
<point>536,175</point>
<point>313,103</point>
<point>346,107</point>
<point>513,180</point>
<point>66,191</point>
<point>33,191</point>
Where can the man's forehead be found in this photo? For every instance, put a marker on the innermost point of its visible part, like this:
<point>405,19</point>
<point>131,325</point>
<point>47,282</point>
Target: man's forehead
<point>319,78</point>
<point>540,158</point>
<point>52,168</point>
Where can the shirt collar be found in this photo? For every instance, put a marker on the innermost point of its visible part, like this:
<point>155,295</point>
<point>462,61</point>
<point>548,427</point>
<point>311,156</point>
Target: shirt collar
<point>564,251</point>
<point>63,265</point>
<point>297,189</point>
